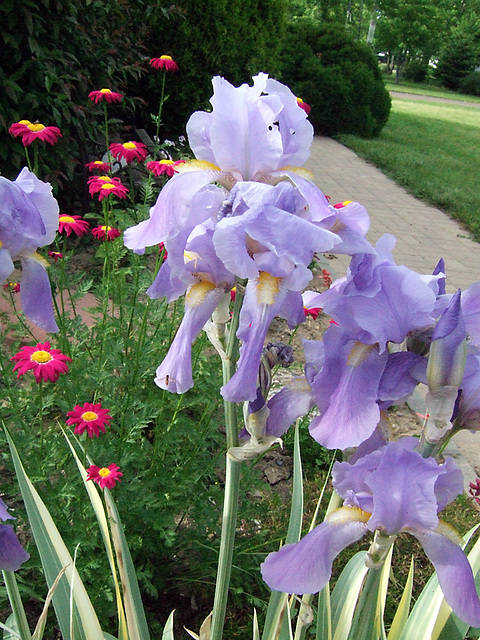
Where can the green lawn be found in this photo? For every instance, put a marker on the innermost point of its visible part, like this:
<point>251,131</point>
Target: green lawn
<point>433,150</point>
<point>427,90</point>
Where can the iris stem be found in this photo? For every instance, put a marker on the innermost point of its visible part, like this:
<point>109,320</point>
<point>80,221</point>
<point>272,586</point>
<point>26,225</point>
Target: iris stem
<point>232,485</point>
<point>16,604</point>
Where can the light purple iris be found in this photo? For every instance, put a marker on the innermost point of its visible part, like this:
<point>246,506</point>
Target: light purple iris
<point>379,301</point>
<point>12,554</point>
<point>389,490</point>
<point>29,220</point>
<point>254,133</point>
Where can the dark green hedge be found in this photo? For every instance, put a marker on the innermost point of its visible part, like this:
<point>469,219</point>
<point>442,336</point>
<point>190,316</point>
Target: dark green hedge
<point>338,77</point>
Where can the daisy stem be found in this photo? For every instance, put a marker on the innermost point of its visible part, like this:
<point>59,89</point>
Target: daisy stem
<point>35,160</point>
<point>40,416</point>
<point>232,485</point>
<point>27,157</point>
<point>160,107</point>
<point>107,142</point>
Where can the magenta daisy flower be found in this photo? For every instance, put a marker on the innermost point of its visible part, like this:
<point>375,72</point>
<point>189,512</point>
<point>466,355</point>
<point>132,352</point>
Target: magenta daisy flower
<point>115,188</point>
<point>90,417</point>
<point>303,105</point>
<point>14,287</point>
<point>106,477</point>
<point>45,362</point>
<point>130,151</point>
<point>98,165</point>
<point>30,131</point>
<point>164,62</point>
<point>106,232</point>
<point>74,224</point>
<point>105,94</point>
<point>157,167</point>
<point>56,255</point>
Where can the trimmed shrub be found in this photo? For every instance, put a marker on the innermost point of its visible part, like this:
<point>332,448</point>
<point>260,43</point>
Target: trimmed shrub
<point>338,77</point>
<point>416,71</point>
<point>470,84</point>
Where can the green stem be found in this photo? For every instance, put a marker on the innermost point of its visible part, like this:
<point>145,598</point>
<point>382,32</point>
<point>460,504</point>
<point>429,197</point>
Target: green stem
<point>232,486</point>
<point>16,604</point>
<point>27,157</point>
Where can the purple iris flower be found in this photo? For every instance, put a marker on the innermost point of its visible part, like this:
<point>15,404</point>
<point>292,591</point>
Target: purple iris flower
<point>256,133</point>
<point>12,554</point>
<point>191,268</point>
<point>379,301</point>
<point>390,490</point>
<point>467,408</point>
<point>29,220</point>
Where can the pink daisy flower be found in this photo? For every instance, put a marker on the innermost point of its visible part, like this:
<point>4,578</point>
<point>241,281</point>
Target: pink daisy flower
<point>30,131</point>
<point>90,417</point>
<point>157,167</point>
<point>74,224</point>
<point>130,151</point>
<point>107,188</point>
<point>56,255</point>
<point>14,287</point>
<point>105,231</point>
<point>303,105</point>
<point>106,477</point>
<point>105,94</point>
<point>98,164</point>
<point>164,62</point>
<point>45,362</point>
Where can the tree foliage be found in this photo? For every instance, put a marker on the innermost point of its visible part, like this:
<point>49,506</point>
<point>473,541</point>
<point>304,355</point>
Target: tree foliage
<point>338,77</point>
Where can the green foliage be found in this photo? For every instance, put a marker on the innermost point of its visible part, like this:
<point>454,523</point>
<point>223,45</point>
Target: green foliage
<point>470,84</point>
<point>338,77</point>
<point>461,53</point>
<point>233,40</point>
<point>416,71</point>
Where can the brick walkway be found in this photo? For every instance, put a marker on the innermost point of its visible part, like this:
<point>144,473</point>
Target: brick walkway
<point>424,234</point>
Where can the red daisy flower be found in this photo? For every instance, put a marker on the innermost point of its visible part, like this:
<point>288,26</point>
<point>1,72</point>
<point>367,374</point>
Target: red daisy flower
<point>164,62</point>
<point>105,231</point>
<point>157,167</point>
<point>106,477</point>
<point>30,131</point>
<point>105,94</point>
<point>46,363</point>
<point>98,164</point>
<point>106,188</point>
<point>55,255</point>
<point>14,287</point>
<point>90,417</point>
<point>72,223</point>
<point>303,105</point>
<point>129,150</point>
<point>340,205</point>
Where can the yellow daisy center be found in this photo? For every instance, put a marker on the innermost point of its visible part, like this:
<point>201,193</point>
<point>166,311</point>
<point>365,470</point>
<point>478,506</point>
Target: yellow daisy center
<point>166,162</point>
<point>104,228</point>
<point>105,178</point>
<point>105,91</point>
<point>27,122</point>
<point>97,162</point>
<point>67,219</point>
<point>165,57</point>
<point>129,145</point>
<point>36,127</point>
<point>108,185</point>
<point>88,416</point>
<point>41,357</point>
<point>104,472</point>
